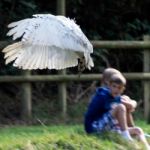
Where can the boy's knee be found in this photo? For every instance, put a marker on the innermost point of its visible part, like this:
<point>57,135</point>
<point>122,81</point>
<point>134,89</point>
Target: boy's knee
<point>118,109</point>
<point>121,107</point>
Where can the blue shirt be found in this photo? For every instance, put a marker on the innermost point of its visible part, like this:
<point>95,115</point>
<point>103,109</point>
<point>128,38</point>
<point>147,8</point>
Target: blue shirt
<point>100,104</point>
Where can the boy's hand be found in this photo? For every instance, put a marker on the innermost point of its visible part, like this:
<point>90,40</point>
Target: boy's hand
<point>130,104</point>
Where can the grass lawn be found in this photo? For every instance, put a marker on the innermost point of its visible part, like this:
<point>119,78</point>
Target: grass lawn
<point>62,137</point>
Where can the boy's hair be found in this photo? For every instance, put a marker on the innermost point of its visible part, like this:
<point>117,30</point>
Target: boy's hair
<point>118,78</point>
<point>108,72</point>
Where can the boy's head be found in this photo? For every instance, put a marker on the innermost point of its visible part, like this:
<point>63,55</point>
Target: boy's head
<point>117,84</point>
<point>108,72</point>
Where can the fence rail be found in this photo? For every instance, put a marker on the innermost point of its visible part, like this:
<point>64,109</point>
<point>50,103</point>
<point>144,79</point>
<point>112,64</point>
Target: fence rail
<point>107,44</point>
<point>67,78</point>
<point>121,44</point>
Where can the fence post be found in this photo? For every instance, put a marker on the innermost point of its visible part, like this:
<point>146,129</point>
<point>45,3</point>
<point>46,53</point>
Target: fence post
<point>26,102</point>
<point>146,68</point>
<point>61,9</point>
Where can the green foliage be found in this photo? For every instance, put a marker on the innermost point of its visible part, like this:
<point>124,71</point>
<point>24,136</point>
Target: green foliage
<point>99,20</point>
<point>113,20</point>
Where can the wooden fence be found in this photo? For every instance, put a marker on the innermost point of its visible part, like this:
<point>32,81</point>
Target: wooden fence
<point>27,78</point>
<point>62,78</point>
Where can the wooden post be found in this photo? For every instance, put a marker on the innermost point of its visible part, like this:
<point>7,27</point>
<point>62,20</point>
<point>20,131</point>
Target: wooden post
<point>26,107</point>
<point>61,10</point>
<point>61,7</point>
<point>146,68</point>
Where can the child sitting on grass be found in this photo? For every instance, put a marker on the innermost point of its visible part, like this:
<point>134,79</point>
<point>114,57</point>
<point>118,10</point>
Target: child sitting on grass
<point>126,100</point>
<point>107,113</point>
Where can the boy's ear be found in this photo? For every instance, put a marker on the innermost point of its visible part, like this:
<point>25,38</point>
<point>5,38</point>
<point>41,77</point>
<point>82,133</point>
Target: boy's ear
<point>124,87</point>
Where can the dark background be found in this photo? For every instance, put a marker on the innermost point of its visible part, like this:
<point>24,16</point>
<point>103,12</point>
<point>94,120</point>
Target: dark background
<point>99,20</point>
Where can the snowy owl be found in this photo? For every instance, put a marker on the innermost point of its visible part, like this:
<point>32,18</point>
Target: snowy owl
<point>48,41</point>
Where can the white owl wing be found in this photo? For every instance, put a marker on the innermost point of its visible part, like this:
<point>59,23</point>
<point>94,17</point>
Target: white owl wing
<point>47,41</point>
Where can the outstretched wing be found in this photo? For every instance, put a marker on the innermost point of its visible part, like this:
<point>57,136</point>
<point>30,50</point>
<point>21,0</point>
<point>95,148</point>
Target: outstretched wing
<point>51,37</point>
<point>39,57</point>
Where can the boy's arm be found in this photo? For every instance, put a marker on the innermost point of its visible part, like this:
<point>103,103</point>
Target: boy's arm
<point>130,104</point>
<point>97,104</point>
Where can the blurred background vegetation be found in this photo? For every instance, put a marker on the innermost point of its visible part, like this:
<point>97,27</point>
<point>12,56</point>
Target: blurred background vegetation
<point>99,20</point>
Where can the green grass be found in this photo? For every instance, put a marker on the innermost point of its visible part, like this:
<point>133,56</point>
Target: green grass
<point>62,137</point>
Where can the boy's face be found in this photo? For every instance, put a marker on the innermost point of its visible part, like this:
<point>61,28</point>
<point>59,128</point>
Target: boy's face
<point>116,89</point>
